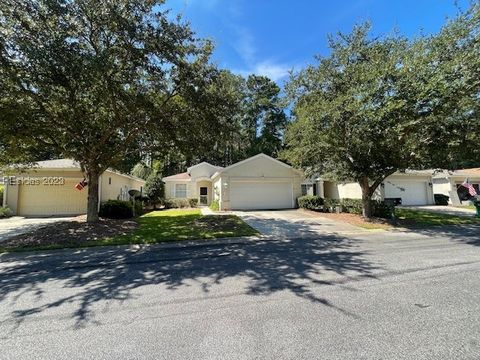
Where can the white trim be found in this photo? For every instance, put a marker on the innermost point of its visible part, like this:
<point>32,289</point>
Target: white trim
<point>125,175</point>
<point>261,179</point>
<point>99,192</point>
<point>203,178</point>
<point>293,197</point>
<point>261,155</point>
<point>175,180</point>
<point>5,193</point>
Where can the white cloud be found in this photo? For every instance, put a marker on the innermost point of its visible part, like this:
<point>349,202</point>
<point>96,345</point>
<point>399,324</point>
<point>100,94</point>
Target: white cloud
<point>244,44</point>
<point>209,4</point>
<point>273,71</point>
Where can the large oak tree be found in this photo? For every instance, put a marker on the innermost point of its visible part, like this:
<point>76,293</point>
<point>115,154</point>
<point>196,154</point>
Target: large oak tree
<point>375,106</point>
<point>98,81</point>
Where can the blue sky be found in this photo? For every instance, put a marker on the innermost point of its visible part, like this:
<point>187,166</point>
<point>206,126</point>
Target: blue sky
<point>271,37</point>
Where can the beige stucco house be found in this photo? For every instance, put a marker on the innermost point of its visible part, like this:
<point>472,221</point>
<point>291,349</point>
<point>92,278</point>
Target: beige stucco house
<point>447,182</point>
<point>48,189</point>
<point>261,182</point>
<point>412,187</point>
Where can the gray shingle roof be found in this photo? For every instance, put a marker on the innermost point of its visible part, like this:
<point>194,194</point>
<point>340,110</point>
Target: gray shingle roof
<point>58,164</point>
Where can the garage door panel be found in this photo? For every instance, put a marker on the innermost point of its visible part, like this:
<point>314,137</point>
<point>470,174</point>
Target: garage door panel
<point>260,195</point>
<point>45,200</point>
<point>411,192</point>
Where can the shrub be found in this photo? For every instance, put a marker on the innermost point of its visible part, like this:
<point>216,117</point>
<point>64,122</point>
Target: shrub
<point>382,210</point>
<point>5,212</point>
<point>330,204</point>
<point>176,203</point>
<point>193,202</point>
<point>352,206</point>
<point>116,209</point>
<point>138,208</point>
<point>441,199</point>
<point>154,188</point>
<point>311,202</point>
<point>215,206</point>
<point>1,195</point>
<point>355,206</point>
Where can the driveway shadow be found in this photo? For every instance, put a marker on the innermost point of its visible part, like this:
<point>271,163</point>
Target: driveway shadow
<point>297,266</point>
<point>298,226</point>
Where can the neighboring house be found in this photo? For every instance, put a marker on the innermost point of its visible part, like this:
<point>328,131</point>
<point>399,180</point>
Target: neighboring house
<point>48,189</point>
<point>259,182</point>
<point>413,187</point>
<point>447,182</point>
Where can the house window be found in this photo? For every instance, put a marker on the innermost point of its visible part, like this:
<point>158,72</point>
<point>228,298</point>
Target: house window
<point>309,189</point>
<point>109,181</point>
<point>180,190</point>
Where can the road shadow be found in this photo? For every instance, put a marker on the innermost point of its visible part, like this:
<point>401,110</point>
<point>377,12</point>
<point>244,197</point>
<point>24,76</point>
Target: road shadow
<point>296,265</point>
<point>467,234</point>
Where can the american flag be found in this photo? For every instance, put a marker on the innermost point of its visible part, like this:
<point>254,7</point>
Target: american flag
<point>471,189</point>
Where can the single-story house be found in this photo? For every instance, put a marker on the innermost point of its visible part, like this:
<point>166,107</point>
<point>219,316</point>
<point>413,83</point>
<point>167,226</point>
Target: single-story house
<point>48,189</point>
<point>412,187</point>
<point>447,182</point>
<point>261,182</point>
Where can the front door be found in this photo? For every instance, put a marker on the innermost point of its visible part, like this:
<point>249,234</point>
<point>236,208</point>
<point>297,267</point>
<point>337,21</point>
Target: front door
<point>203,195</point>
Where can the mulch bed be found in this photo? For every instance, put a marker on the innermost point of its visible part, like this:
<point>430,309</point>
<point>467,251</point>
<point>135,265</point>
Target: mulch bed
<point>354,219</point>
<point>71,233</point>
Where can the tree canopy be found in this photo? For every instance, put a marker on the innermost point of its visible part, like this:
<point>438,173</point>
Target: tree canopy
<point>97,81</point>
<point>375,106</point>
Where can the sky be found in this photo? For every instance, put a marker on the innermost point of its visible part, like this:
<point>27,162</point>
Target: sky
<point>272,37</point>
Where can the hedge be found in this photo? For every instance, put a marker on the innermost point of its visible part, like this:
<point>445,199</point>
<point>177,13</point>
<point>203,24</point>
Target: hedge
<point>116,209</point>
<point>5,212</point>
<point>353,206</point>
<point>311,202</point>
<point>180,203</point>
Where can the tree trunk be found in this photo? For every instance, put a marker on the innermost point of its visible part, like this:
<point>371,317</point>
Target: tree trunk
<point>92,205</point>
<point>366,199</point>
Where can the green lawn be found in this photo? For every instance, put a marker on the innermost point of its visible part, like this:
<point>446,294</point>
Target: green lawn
<point>176,225</point>
<point>425,218</point>
<point>162,226</point>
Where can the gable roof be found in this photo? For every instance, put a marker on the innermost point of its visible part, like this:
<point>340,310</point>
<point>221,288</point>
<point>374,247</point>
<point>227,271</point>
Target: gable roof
<point>181,176</point>
<point>469,171</point>
<point>258,156</point>
<point>202,163</point>
<point>473,172</point>
<point>58,164</point>
<point>73,164</point>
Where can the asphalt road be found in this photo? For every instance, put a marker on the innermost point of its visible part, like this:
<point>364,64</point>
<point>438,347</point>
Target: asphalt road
<point>372,296</point>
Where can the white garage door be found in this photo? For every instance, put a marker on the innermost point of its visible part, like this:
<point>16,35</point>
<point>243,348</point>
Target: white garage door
<point>47,200</point>
<point>411,192</point>
<point>260,195</point>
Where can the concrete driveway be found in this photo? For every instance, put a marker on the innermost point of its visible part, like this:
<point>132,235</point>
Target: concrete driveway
<point>294,223</point>
<point>17,225</point>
